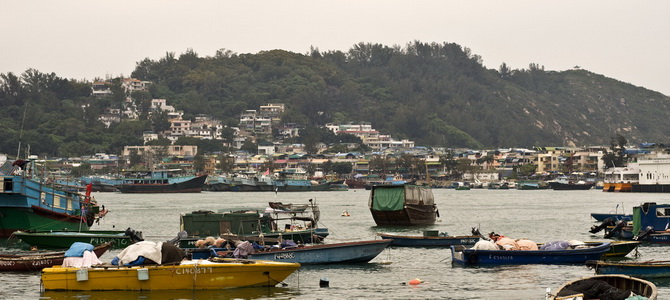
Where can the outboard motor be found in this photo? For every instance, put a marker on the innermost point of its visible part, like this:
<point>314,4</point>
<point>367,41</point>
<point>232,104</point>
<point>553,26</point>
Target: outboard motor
<point>644,234</point>
<point>135,236</point>
<point>607,222</point>
<point>617,228</point>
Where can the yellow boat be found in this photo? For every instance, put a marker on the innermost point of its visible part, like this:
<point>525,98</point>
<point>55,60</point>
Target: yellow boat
<point>189,275</point>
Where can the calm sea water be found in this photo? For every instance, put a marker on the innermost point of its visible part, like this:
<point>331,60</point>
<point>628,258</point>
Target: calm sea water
<point>542,216</point>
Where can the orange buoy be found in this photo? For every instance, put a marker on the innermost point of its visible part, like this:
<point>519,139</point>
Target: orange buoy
<point>415,281</point>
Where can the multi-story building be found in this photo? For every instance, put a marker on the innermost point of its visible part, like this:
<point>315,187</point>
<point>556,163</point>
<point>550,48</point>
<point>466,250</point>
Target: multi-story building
<point>252,121</point>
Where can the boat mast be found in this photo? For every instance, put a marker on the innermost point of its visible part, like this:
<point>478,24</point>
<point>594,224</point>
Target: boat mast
<point>23,121</point>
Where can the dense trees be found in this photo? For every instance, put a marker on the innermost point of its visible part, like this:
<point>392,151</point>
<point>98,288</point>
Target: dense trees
<point>437,94</point>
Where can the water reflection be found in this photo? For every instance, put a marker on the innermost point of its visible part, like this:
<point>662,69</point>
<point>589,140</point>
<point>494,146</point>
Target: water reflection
<point>237,293</point>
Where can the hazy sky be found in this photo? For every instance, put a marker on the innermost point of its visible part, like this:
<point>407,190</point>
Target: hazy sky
<point>624,40</point>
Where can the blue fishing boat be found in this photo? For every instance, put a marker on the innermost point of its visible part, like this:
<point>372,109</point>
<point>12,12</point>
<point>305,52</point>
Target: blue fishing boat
<point>349,252</point>
<point>641,269</point>
<point>27,202</point>
<point>650,223</point>
<point>601,217</point>
<point>469,256</point>
<point>429,239</point>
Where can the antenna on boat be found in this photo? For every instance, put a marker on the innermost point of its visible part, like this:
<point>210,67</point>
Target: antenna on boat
<point>23,121</point>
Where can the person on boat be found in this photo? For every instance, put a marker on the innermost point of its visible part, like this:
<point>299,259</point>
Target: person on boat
<point>503,242</point>
<point>345,213</point>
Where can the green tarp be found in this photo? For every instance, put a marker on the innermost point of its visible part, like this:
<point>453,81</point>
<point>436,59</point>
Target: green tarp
<point>389,199</point>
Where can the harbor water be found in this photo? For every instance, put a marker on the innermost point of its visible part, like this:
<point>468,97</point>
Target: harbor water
<point>539,215</point>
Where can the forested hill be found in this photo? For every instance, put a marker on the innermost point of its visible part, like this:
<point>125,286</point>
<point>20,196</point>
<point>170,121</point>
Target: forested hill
<point>434,94</point>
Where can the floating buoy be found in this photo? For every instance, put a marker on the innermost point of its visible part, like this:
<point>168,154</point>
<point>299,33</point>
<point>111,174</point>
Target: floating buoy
<point>324,282</point>
<point>345,213</point>
<point>415,281</point>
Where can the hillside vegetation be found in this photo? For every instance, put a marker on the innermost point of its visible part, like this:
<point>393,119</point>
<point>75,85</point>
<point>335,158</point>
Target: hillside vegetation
<point>435,94</point>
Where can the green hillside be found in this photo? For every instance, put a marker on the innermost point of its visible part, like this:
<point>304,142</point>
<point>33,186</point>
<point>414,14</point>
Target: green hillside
<point>435,94</point>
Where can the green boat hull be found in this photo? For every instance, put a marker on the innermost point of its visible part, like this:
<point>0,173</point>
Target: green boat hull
<point>64,239</point>
<point>19,218</point>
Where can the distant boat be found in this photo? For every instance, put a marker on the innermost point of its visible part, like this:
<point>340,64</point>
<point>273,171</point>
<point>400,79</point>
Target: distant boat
<point>301,185</point>
<point>531,185</point>
<point>468,256</point>
<point>402,205</point>
<point>339,187</point>
<point>429,240</point>
<point>565,183</point>
<point>621,179</point>
<point>348,252</point>
<point>38,261</point>
<point>188,275</point>
<point>64,239</point>
<point>162,182</point>
<point>574,289</point>
<point>26,202</point>
<point>101,183</point>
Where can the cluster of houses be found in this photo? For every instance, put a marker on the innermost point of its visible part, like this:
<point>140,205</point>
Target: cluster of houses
<point>463,164</point>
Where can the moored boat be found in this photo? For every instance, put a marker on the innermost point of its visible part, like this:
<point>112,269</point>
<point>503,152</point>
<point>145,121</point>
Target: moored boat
<point>269,225</point>
<point>63,239</point>
<point>188,275</point>
<point>162,182</point>
<point>591,286</point>
<point>469,256</point>
<point>641,269</point>
<point>348,252</point>
<point>601,217</point>
<point>301,185</point>
<point>39,261</point>
<point>26,202</point>
<point>429,240</point>
<point>402,205</point>
<point>565,183</point>
<point>649,224</point>
<point>621,179</point>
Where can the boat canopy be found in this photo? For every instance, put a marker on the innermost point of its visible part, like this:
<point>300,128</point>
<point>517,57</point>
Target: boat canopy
<point>392,198</point>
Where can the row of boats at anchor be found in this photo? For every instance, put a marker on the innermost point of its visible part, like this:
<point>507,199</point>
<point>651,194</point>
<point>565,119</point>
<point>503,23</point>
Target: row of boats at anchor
<point>404,205</point>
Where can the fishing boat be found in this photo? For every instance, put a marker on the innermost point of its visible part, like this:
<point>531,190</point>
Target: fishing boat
<point>162,182</point>
<point>650,223</point>
<point>101,183</point>
<point>187,275</point>
<point>601,217</point>
<point>468,256</point>
<point>39,261</point>
<point>402,205</point>
<point>642,269</point>
<point>340,187</point>
<point>620,248</point>
<point>266,226</point>
<point>348,252</point>
<point>63,239</point>
<point>564,183</point>
<point>301,185</point>
<point>429,239</point>
<point>584,288</point>
<point>27,202</point>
